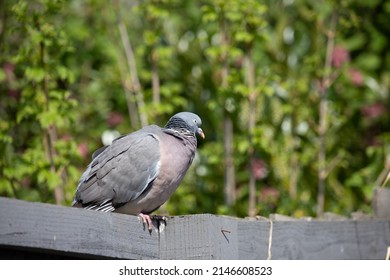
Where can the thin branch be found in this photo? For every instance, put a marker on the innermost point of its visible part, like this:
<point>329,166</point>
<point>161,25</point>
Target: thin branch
<point>126,82</point>
<point>50,134</point>
<point>250,69</point>
<point>229,176</point>
<point>323,117</point>
<point>333,163</point>
<point>387,179</point>
<point>384,176</point>
<point>155,77</point>
<point>133,72</point>
<point>129,94</point>
<point>230,181</point>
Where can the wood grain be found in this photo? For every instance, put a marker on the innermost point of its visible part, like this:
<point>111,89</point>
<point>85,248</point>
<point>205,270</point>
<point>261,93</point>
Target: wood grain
<point>67,231</point>
<point>74,231</point>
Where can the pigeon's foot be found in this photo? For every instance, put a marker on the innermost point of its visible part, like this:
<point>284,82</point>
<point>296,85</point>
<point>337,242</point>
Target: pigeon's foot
<point>158,221</point>
<point>146,220</point>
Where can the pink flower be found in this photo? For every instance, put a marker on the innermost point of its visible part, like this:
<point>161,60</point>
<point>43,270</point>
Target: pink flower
<point>356,77</point>
<point>9,70</point>
<point>269,194</point>
<point>114,119</point>
<point>83,150</point>
<point>373,110</point>
<point>340,56</point>
<point>66,137</point>
<point>259,169</point>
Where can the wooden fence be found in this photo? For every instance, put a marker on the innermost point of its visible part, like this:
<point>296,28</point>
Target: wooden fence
<point>37,230</point>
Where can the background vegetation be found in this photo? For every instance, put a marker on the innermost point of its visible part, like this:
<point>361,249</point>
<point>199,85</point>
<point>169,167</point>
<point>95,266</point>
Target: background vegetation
<point>294,97</point>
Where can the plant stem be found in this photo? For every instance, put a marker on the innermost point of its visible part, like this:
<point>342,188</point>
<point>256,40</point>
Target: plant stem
<point>323,118</point>
<point>155,77</point>
<point>250,69</point>
<point>136,85</point>
<point>50,134</point>
<point>229,176</point>
<point>129,94</point>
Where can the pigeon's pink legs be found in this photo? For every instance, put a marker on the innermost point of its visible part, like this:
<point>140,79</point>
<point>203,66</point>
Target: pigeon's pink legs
<point>146,220</point>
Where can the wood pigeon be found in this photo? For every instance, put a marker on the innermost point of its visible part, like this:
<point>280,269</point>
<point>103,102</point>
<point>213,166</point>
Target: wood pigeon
<point>139,171</point>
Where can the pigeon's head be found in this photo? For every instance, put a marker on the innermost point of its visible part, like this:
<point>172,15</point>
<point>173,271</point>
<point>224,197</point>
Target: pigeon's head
<point>186,122</point>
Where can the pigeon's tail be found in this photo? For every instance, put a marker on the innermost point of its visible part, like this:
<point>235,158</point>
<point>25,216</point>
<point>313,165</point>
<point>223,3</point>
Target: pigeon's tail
<point>105,206</point>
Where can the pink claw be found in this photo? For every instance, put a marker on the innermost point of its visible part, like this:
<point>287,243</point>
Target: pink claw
<point>146,220</point>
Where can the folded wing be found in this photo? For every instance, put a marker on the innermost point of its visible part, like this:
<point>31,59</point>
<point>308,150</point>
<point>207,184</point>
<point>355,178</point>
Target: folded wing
<point>121,172</point>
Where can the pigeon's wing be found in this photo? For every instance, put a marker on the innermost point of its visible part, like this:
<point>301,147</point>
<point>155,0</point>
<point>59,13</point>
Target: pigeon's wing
<point>121,172</point>
<point>99,151</point>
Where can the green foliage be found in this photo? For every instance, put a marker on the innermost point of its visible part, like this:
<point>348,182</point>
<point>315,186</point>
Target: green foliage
<point>65,78</point>
<point>39,105</point>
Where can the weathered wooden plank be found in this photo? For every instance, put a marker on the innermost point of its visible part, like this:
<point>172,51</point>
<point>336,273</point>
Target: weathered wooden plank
<point>330,239</point>
<point>203,236</point>
<point>185,238</point>
<point>199,237</point>
<point>381,202</point>
<point>78,232</point>
<point>208,236</point>
<point>74,231</point>
<point>253,239</point>
<point>372,238</point>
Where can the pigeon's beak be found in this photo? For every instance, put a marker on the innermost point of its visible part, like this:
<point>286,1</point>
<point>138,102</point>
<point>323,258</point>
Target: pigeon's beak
<point>200,133</point>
